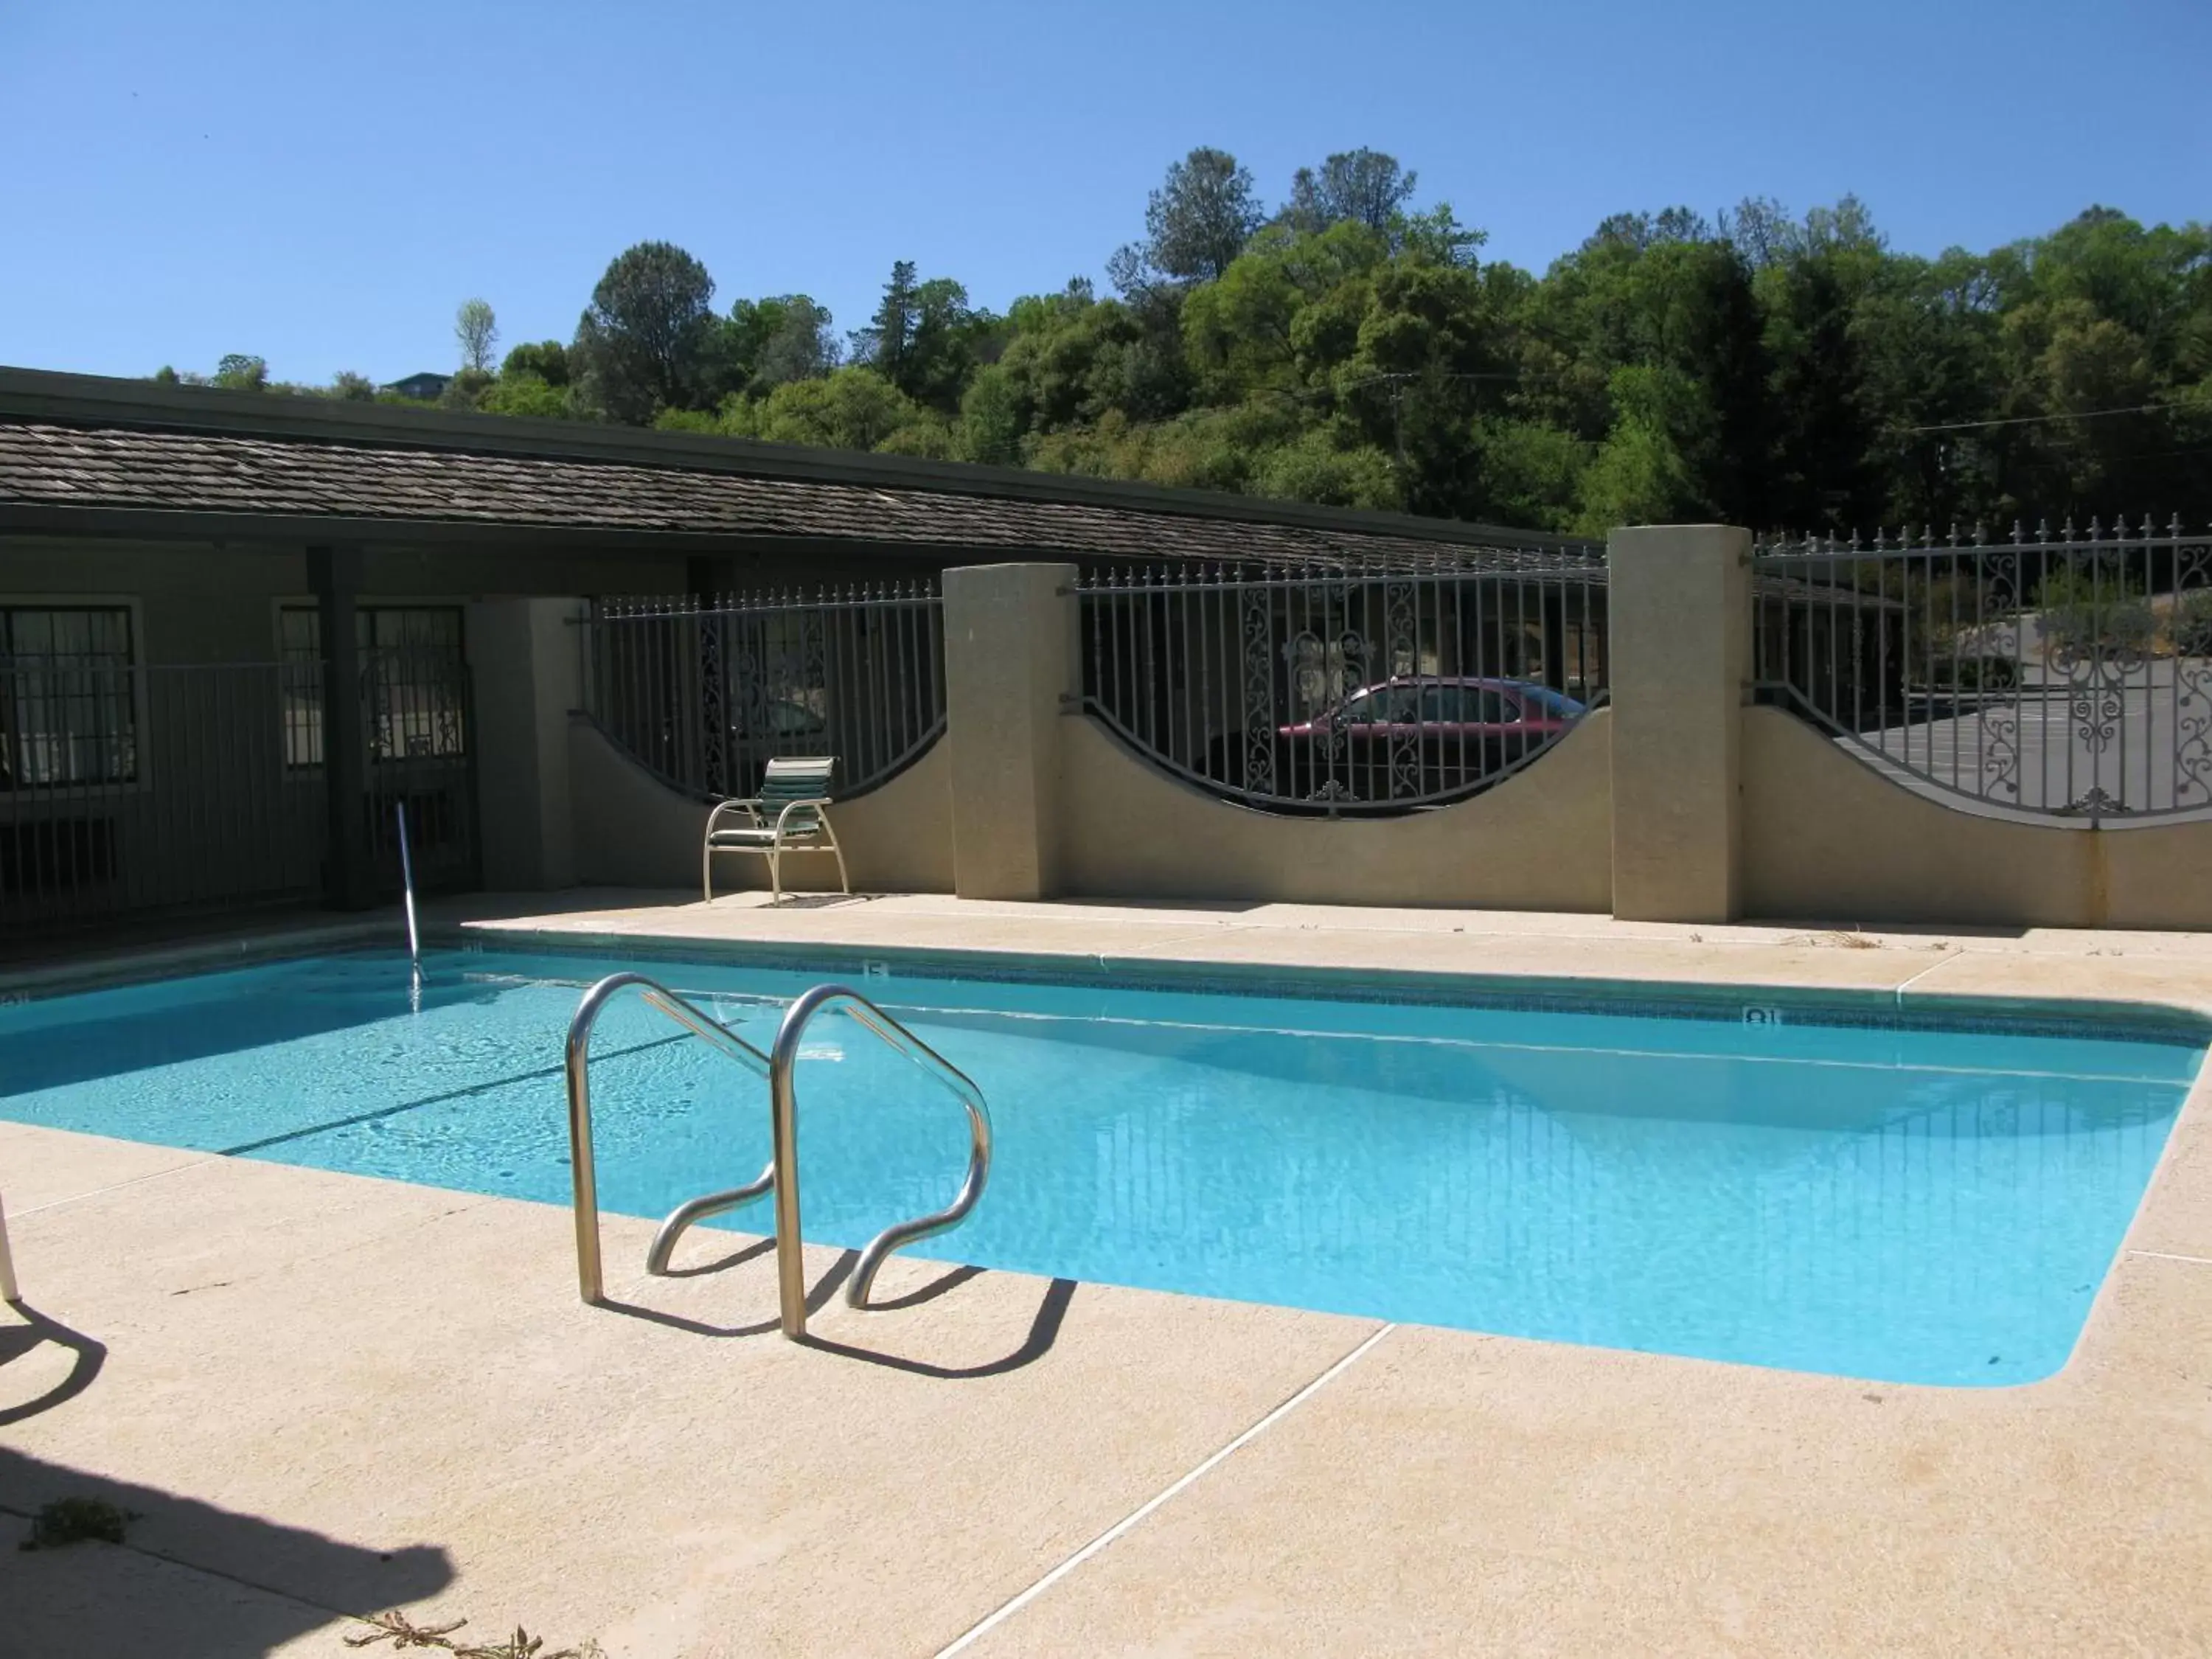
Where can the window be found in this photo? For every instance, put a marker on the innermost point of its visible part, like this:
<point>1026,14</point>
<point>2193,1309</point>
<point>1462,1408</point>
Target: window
<point>1544,703</point>
<point>68,699</point>
<point>1384,705</point>
<point>413,682</point>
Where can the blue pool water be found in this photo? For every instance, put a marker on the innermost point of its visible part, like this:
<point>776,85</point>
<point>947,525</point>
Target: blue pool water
<point>1905,1205</point>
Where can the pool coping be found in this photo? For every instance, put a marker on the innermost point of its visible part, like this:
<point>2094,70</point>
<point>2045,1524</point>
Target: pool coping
<point>1723,1000</point>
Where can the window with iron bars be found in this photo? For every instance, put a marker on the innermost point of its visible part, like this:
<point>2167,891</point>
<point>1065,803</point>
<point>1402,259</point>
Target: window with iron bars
<point>412,671</point>
<point>68,699</point>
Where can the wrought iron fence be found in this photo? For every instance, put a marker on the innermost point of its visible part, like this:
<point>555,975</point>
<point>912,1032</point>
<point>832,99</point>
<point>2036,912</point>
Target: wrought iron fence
<point>704,693</point>
<point>127,788</point>
<point>2064,674</point>
<point>1346,691</point>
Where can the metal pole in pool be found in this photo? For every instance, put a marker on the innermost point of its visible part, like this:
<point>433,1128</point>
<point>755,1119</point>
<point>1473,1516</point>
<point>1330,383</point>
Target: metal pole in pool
<point>407,882</point>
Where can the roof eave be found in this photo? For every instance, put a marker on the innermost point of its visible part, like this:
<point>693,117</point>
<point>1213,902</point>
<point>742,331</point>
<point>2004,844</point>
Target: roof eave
<point>86,400</point>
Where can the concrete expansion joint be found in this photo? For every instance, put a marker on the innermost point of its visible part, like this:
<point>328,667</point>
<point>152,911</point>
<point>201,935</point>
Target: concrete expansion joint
<point>190,1161</point>
<point>991,1620</point>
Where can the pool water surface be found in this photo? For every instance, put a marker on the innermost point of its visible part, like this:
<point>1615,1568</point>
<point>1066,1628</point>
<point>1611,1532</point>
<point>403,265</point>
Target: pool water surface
<point>1901,1204</point>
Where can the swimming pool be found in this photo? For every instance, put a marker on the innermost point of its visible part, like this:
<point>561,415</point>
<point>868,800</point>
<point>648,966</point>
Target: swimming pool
<point>1886,1201</point>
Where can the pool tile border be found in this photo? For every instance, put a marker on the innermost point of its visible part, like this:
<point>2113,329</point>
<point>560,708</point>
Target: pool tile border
<point>1720,1002</point>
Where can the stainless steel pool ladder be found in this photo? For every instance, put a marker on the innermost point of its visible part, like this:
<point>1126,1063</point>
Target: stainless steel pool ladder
<point>781,1176</point>
<point>10,1292</point>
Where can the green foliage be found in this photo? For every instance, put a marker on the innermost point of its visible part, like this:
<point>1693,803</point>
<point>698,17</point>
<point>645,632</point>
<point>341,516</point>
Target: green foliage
<point>466,389</point>
<point>852,408</point>
<point>1197,220</point>
<point>240,373</point>
<point>1312,468</point>
<point>546,360</point>
<point>646,341</point>
<point>2085,607</point>
<point>766,344</point>
<point>1364,186</point>
<point>1350,346</point>
<point>925,339</point>
<point>2191,625</point>
<point>477,331</point>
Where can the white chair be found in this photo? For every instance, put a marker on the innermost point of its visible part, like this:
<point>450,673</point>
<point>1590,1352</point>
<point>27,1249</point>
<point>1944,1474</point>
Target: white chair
<point>790,814</point>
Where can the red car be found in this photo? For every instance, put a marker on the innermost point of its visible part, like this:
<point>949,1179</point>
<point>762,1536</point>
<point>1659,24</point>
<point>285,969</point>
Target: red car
<point>1414,738</point>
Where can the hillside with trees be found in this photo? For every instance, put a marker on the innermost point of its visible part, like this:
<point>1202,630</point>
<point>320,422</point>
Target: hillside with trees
<point>1350,345</point>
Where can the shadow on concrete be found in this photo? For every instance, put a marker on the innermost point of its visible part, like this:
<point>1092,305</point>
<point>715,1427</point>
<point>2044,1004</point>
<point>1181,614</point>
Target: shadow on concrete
<point>735,1259</point>
<point>1902,929</point>
<point>929,1292</point>
<point>189,1580</point>
<point>816,1299</point>
<point>19,1342</point>
<point>1219,907</point>
<point>1044,1331</point>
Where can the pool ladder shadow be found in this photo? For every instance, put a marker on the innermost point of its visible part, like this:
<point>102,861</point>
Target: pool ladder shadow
<point>780,1177</point>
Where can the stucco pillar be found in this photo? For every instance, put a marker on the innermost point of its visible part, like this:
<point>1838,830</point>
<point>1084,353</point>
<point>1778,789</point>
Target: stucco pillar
<point>525,661</point>
<point>1010,640</point>
<point>1681,598</point>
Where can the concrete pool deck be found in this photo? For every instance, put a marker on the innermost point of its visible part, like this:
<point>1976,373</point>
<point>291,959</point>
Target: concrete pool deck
<point>326,1395</point>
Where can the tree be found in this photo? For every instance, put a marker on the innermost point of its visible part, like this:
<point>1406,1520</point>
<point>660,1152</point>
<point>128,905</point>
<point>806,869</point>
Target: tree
<point>925,337</point>
<point>466,389</point>
<point>350,387</point>
<point>524,393</point>
<point>1199,218</point>
<point>1762,367</point>
<point>886,343</point>
<point>478,332</point>
<point>237,371</point>
<point>644,343</point>
<point>769,342</point>
<point>849,409</point>
<point>1363,185</point>
<point>546,360</point>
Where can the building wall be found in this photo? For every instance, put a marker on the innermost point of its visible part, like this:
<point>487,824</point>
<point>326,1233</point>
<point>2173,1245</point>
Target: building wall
<point>216,602</point>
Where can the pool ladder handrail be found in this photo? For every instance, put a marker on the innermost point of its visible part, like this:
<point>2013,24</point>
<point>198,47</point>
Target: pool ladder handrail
<point>781,1175</point>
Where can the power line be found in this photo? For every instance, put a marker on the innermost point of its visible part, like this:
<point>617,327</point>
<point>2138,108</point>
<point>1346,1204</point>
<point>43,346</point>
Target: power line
<point>2034,420</point>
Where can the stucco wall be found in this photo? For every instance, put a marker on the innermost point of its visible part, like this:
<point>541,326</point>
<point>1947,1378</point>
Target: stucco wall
<point>1825,835</point>
<point>1541,840</point>
<point>632,830</point>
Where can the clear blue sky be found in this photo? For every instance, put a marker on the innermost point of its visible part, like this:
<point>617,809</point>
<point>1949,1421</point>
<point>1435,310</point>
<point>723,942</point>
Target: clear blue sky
<point>322,183</point>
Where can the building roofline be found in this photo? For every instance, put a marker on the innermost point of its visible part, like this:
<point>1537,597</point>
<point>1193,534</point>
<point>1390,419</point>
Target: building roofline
<point>90,400</point>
